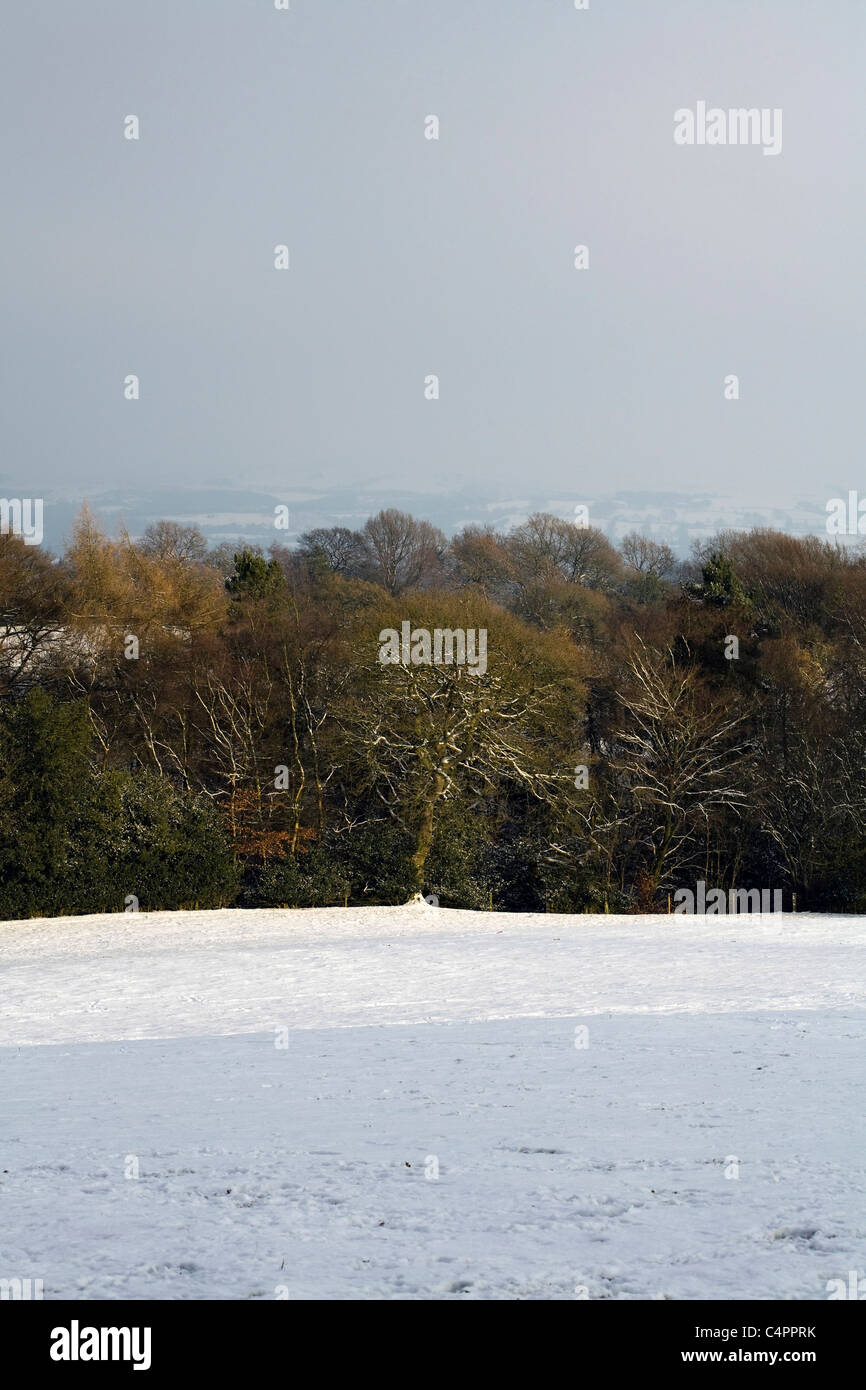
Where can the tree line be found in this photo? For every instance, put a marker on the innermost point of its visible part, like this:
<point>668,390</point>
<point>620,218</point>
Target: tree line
<point>185,726</point>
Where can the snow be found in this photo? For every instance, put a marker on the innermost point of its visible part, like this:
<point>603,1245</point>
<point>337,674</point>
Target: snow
<point>420,1103</point>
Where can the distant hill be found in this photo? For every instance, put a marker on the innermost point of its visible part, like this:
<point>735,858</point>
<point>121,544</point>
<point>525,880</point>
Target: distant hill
<point>247,513</point>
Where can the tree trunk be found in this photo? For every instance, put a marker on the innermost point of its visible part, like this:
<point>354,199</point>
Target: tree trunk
<point>424,838</point>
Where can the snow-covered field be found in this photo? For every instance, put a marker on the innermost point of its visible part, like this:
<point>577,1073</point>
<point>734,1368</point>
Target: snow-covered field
<point>408,1102</point>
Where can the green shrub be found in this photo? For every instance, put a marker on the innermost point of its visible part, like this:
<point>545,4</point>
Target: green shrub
<point>73,840</point>
<point>315,878</point>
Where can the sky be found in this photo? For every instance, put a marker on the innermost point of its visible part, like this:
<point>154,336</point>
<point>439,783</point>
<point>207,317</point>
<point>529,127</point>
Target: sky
<point>410,256</point>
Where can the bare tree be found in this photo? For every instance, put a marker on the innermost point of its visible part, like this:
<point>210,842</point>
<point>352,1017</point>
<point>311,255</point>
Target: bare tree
<point>480,558</point>
<point>231,720</point>
<point>402,553</point>
<point>169,540</point>
<point>548,547</point>
<point>341,549</point>
<point>416,736</point>
<point>651,558</point>
<point>679,757</point>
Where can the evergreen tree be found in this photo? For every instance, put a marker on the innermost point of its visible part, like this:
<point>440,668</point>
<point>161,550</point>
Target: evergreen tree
<point>255,577</point>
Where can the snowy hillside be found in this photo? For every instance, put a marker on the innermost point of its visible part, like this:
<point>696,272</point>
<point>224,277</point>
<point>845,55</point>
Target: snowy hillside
<point>393,1102</point>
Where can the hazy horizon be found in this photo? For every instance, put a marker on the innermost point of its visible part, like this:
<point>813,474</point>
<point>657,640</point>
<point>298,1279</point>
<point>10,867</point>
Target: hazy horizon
<point>412,256</point>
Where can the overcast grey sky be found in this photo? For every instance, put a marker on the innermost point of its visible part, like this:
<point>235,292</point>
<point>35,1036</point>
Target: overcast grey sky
<point>412,256</point>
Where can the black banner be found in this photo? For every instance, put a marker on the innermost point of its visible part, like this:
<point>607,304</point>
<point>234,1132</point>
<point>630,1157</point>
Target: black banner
<point>160,1339</point>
